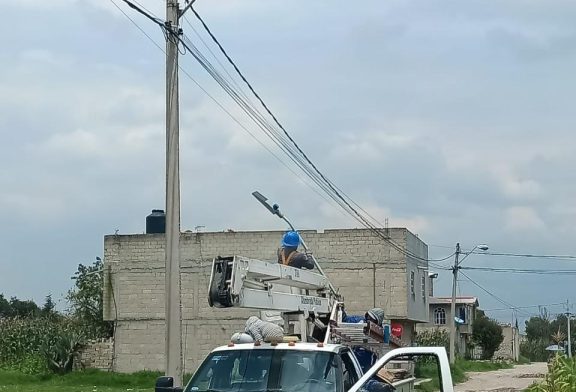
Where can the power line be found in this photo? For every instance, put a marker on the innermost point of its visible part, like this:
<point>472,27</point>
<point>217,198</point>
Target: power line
<point>231,78</point>
<point>298,156</point>
<point>525,307</point>
<point>523,271</point>
<point>163,27</point>
<point>440,267</point>
<point>138,26</point>
<point>255,115</point>
<point>502,301</point>
<point>337,194</point>
<point>140,9</point>
<point>558,257</point>
<point>245,106</point>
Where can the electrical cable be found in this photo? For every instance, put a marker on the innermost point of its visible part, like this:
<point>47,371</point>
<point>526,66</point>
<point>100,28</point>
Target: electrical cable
<point>142,11</point>
<point>255,116</point>
<point>522,271</point>
<point>336,191</point>
<point>192,49</point>
<point>302,160</point>
<point>243,105</point>
<point>524,307</point>
<point>502,301</point>
<point>231,78</point>
<point>558,257</point>
<point>138,26</point>
<point>163,27</point>
<point>438,266</point>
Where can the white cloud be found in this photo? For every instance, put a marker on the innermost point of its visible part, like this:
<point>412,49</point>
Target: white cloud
<point>416,224</point>
<point>523,219</point>
<point>513,186</point>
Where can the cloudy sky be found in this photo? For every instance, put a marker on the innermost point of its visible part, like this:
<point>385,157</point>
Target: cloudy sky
<point>454,119</point>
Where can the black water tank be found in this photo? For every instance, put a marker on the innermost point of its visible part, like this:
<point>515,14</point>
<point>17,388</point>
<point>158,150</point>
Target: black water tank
<point>156,222</point>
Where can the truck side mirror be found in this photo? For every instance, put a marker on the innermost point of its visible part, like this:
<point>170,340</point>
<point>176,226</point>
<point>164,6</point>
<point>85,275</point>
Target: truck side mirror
<point>166,384</point>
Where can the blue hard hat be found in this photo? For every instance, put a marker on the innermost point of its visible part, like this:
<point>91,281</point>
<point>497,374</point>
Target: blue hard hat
<point>291,239</point>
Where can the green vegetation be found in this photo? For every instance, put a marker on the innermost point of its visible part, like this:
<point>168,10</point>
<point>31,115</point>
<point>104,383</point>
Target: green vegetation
<point>487,334</point>
<point>87,300</point>
<point>433,338</point>
<point>39,340</point>
<point>81,381</point>
<point>542,331</point>
<point>90,380</point>
<point>560,378</point>
<point>36,345</point>
<point>458,370</point>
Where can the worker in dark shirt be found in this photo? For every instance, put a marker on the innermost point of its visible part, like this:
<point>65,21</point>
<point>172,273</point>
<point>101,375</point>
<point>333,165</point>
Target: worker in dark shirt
<point>288,254</point>
<point>380,382</point>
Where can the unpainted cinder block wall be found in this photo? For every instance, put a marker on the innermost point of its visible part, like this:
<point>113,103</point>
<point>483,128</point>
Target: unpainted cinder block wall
<point>366,269</point>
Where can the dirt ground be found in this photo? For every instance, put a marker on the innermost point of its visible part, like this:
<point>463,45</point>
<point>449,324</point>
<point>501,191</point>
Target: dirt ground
<point>505,380</point>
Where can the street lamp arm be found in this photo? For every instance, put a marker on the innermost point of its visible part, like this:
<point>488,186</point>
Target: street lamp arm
<point>188,6</point>
<point>481,247</point>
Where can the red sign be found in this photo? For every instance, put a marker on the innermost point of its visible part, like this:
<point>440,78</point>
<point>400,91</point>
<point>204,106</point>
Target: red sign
<point>396,330</point>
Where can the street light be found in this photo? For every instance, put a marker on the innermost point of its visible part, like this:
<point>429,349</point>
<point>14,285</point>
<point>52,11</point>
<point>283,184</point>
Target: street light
<point>275,210</point>
<point>455,269</point>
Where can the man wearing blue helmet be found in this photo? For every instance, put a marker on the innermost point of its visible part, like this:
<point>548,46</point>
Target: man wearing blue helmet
<point>288,254</point>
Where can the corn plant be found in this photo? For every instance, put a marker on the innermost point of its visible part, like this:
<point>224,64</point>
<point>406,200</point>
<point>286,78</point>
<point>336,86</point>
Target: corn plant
<point>23,341</point>
<point>560,378</point>
<point>59,353</point>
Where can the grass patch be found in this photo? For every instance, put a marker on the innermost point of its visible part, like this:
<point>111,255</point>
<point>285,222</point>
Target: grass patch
<point>89,381</point>
<point>458,370</point>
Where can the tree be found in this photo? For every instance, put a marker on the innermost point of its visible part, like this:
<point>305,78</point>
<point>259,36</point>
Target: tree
<point>539,328</point>
<point>86,300</point>
<point>19,308</point>
<point>5,310</point>
<point>488,335</point>
<point>541,332</point>
<point>48,307</point>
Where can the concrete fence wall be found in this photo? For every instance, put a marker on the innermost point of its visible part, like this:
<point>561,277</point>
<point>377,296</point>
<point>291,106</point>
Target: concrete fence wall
<point>96,355</point>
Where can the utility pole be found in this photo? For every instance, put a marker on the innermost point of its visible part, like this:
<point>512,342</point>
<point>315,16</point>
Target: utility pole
<point>453,305</point>
<point>173,353</point>
<point>568,315</point>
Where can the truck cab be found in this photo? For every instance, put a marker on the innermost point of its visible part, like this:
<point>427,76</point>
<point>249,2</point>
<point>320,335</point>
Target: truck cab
<point>291,367</point>
<point>281,367</point>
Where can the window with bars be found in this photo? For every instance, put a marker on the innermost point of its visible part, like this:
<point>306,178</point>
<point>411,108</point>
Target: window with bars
<point>412,284</point>
<point>439,316</point>
<point>423,288</point>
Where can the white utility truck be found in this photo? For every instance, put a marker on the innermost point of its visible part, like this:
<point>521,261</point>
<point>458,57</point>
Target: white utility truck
<point>317,354</point>
<point>318,349</point>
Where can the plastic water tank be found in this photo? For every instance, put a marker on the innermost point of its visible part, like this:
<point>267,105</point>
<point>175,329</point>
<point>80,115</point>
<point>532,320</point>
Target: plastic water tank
<point>156,222</point>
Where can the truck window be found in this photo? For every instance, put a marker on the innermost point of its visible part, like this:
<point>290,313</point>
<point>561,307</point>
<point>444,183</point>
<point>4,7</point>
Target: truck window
<point>267,370</point>
<point>349,374</point>
<point>407,372</point>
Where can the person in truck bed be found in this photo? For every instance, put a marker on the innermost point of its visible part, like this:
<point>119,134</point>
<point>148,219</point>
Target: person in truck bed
<point>288,254</point>
<point>381,382</point>
<point>263,330</point>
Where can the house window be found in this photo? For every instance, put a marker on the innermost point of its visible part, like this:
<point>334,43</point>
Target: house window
<point>439,316</point>
<point>412,283</point>
<point>423,288</point>
<point>462,314</point>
